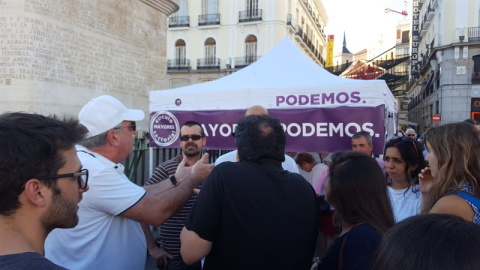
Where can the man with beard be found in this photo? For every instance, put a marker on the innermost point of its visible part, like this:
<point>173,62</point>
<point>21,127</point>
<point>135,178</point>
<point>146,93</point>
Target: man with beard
<point>109,234</point>
<point>192,140</point>
<point>41,183</point>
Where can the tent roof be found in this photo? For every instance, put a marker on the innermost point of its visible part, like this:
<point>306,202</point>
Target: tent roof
<point>284,70</point>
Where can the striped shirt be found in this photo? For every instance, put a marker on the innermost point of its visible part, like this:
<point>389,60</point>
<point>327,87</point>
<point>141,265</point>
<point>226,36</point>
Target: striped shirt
<point>170,230</point>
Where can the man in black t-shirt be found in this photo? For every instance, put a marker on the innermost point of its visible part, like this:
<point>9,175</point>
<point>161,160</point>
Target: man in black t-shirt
<point>253,214</point>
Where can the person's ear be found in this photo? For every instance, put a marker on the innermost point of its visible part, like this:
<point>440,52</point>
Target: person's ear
<point>113,137</point>
<point>36,192</point>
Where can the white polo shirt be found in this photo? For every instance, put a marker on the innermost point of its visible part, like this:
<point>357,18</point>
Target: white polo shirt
<point>102,239</point>
<point>288,165</point>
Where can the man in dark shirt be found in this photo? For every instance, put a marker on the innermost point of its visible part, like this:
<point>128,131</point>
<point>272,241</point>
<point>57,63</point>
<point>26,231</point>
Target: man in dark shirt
<point>192,140</point>
<point>253,214</point>
<point>41,183</point>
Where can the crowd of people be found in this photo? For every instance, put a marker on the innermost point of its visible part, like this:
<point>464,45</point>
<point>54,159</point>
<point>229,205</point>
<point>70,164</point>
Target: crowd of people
<point>67,204</point>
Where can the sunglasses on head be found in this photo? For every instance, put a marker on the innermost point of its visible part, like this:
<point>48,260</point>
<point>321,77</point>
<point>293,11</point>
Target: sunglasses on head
<point>185,138</point>
<point>406,139</point>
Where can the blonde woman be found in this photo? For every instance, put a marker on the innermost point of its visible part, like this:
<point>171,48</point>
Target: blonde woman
<point>450,184</point>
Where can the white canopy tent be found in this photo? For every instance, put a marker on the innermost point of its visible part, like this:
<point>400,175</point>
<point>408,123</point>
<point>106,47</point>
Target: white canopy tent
<point>303,95</point>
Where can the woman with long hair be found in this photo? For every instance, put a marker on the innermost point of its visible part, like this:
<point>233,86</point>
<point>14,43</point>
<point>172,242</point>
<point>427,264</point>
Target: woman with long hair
<point>403,162</point>
<point>450,184</point>
<point>357,189</point>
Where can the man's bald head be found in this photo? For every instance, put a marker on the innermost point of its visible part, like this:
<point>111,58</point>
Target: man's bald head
<point>256,110</point>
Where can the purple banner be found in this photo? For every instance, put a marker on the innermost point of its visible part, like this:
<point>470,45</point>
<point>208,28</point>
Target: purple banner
<point>312,130</point>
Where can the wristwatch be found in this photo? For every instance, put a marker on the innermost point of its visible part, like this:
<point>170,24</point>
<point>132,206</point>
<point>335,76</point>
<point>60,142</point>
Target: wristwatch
<point>173,179</point>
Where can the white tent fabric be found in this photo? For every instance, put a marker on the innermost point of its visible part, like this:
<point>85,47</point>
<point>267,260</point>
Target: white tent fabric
<point>276,81</point>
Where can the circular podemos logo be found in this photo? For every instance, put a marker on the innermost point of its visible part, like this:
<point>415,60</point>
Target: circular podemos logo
<point>164,128</point>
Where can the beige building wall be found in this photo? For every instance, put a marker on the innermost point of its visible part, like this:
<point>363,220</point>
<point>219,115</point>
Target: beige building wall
<point>303,21</point>
<point>55,58</point>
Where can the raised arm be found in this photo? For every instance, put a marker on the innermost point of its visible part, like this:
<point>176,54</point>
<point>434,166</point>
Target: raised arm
<point>162,200</point>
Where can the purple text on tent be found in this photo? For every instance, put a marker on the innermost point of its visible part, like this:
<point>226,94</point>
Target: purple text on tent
<point>318,99</point>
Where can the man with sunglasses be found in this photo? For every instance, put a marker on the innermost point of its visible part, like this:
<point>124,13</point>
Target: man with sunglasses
<point>109,235</point>
<point>41,184</point>
<point>411,133</point>
<point>192,141</point>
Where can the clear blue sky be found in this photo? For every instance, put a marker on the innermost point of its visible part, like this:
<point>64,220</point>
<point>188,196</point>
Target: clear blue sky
<point>363,21</point>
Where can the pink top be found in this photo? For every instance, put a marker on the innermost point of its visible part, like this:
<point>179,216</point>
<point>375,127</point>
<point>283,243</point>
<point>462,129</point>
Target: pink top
<point>317,178</point>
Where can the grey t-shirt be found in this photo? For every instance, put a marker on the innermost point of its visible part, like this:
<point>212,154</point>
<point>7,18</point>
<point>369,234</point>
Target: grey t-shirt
<point>27,261</point>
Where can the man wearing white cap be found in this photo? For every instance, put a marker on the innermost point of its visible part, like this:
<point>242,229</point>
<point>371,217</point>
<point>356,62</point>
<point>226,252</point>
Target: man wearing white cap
<point>108,235</point>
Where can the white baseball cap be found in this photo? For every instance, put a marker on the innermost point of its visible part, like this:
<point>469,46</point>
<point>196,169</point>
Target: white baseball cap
<point>104,113</point>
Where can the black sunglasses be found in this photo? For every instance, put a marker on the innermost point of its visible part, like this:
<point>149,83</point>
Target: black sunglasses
<point>132,126</point>
<point>406,139</point>
<point>185,138</point>
<point>82,177</point>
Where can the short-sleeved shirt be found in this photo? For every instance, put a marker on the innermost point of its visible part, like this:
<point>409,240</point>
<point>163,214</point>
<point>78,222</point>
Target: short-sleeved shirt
<point>405,203</point>
<point>257,216</point>
<point>27,261</point>
<point>103,239</point>
<point>172,227</point>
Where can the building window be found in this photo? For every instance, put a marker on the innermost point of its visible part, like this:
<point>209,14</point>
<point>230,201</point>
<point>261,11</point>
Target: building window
<point>252,5</point>
<point>182,13</point>
<point>250,49</point>
<point>406,37</point>
<point>180,52</point>
<point>476,63</point>
<point>209,6</point>
<point>437,107</point>
<point>210,51</point>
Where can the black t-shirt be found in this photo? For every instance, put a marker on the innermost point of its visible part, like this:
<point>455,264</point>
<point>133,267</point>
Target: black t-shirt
<point>27,261</point>
<point>258,216</point>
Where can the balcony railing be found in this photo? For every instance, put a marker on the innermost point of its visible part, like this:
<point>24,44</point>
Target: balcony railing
<point>181,21</point>
<point>209,19</point>
<point>473,34</point>
<point>208,63</point>
<point>308,43</point>
<point>240,62</point>
<point>250,15</point>
<point>178,64</point>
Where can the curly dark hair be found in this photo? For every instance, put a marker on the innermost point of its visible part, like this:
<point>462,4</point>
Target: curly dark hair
<point>260,137</point>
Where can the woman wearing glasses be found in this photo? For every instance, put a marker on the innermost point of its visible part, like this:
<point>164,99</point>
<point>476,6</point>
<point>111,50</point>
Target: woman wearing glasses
<point>450,185</point>
<point>356,188</point>
<point>403,162</point>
